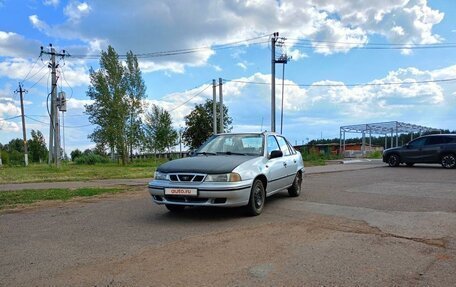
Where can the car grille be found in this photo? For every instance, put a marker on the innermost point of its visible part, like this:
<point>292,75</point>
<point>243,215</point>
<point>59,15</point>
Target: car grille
<point>186,199</point>
<point>186,177</point>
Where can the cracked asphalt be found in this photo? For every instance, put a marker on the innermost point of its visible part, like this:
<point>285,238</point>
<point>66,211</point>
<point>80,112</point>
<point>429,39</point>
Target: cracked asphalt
<point>370,227</point>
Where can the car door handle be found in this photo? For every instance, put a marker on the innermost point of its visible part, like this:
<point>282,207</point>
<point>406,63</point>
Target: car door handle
<point>294,161</point>
<point>285,164</point>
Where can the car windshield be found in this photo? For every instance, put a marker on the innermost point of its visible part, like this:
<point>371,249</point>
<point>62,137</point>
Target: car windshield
<point>233,144</point>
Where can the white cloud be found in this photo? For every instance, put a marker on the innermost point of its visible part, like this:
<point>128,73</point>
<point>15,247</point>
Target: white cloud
<point>39,24</point>
<point>77,104</point>
<point>54,3</point>
<point>242,65</point>
<point>76,10</point>
<point>15,45</point>
<point>176,25</point>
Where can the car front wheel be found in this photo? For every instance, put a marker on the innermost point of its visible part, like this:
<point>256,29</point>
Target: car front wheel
<point>295,189</point>
<point>448,161</point>
<point>257,198</point>
<point>393,160</point>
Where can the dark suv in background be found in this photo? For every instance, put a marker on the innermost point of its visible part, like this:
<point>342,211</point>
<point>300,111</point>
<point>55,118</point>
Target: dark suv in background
<point>439,148</point>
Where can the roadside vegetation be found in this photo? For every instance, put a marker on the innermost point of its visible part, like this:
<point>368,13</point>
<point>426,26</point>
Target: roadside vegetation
<point>10,199</point>
<point>314,158</point>
<point>77,172</point>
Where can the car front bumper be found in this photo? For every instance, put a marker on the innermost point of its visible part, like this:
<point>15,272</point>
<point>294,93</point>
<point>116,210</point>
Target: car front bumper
<point>221,194</point>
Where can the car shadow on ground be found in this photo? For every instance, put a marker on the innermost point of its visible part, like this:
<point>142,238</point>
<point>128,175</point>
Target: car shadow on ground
<point>211,214</point>
<point>422,166</point>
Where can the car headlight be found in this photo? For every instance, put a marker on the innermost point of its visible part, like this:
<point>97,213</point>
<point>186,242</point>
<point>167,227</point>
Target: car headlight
<point>160,176</point>
<point>226,177</point>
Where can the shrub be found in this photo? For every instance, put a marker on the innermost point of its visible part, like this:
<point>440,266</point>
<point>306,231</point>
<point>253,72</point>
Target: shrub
<point>91,159</point>
<point>75,154</point>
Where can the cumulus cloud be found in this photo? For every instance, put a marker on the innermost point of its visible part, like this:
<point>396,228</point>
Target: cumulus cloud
<point>332,26</point>
<point>15,45</point>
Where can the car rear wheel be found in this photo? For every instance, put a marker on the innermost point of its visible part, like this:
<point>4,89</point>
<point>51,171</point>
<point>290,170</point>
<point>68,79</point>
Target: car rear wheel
<point>175,208</point>
<point>295,189</point>
<point>393,160</point>
<point>257,198</point>
<point>448,161</point>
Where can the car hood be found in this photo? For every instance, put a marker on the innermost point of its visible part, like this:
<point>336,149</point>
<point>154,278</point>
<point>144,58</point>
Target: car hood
<point>211,164</point>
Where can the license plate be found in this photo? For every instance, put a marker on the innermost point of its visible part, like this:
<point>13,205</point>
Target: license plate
<point>181,191</point>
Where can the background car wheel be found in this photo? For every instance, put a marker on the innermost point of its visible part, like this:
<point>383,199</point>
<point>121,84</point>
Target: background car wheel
<point>295,189</point>
<point>257,199</point>
<point>175,208</point>
<point>448,161</point>
<point>393,160</point>
<point>409,164</point>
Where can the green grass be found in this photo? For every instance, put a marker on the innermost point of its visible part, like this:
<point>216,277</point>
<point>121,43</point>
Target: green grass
<point>75,172</point>
<point>13,198</point>
<point>315,159</point>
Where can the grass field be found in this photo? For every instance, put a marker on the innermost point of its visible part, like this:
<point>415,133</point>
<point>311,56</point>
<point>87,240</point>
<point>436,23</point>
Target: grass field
<point>74,172</point>
<point>10,199</point>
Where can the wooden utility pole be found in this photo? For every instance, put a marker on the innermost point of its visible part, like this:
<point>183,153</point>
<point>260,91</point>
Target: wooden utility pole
<point>222,128</point>
<point>214,106</point>
<point>24,132</point>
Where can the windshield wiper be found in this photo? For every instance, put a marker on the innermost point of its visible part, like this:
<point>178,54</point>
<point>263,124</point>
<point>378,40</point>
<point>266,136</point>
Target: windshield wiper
<point>231,153</point>
<point>206,153</point>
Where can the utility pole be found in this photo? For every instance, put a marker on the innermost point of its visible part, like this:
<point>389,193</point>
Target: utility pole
<point>24,133</point>
<point>214,106</point>
<point>222,129</point>
<point>56,105</point>
<point>273,61</point>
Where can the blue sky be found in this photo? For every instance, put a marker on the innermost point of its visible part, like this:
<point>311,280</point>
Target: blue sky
<point>334,43</point>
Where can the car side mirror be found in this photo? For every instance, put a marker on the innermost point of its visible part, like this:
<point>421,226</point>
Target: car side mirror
<point>191,153</point>
<point>276,154</point>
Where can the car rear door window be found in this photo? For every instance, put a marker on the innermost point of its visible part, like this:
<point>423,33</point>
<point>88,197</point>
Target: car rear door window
<point>436,140</point>
<point>417,143</point>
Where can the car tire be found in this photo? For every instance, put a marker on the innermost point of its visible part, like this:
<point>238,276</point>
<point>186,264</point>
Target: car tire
<point>295,189</point>
<point>409,164</point>
<point>448,160</point>
<point>257,199</point>
<point>393,160</point>
<point>175,208</point>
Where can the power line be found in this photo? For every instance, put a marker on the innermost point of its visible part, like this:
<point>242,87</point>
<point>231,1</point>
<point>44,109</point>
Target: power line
<point>304,41</point>
<point>348,85</point>
<point>38,80</point>
<point>187,50</point>
<point>192,97</point>
<point>10,118</point>
<point>33,66</point>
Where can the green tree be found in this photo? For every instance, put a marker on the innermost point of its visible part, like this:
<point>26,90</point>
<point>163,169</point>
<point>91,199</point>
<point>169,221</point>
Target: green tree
<point>38,151</point>
<point>136,92</point>
<point>199,124</point>
<point>159,133</point>
<point>15,145</point>
<point>110,108</point>
<point>75,154</point>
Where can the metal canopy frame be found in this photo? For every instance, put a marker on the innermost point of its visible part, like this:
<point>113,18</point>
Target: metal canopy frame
<point>392,129</point>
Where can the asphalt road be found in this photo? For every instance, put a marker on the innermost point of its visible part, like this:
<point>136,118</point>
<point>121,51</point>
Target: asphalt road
<point>371,227</point>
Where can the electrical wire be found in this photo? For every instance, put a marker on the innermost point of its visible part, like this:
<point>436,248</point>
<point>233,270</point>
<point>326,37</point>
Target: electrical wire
<point>33,66</point>
<point>192,97</point>
<point>187,50</point>
<point>10,118</point>
<point>348,85</point>
<point>38,81</point>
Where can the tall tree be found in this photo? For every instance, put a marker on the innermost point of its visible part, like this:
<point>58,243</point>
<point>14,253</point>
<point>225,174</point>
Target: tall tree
<point>199,124</point>
<point>37,147</point>
<point>110,107</point>
<point>159,133</point>
<point>136,92</point>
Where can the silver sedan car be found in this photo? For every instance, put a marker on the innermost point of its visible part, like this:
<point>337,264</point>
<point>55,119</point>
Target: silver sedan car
<point>230,170</point>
